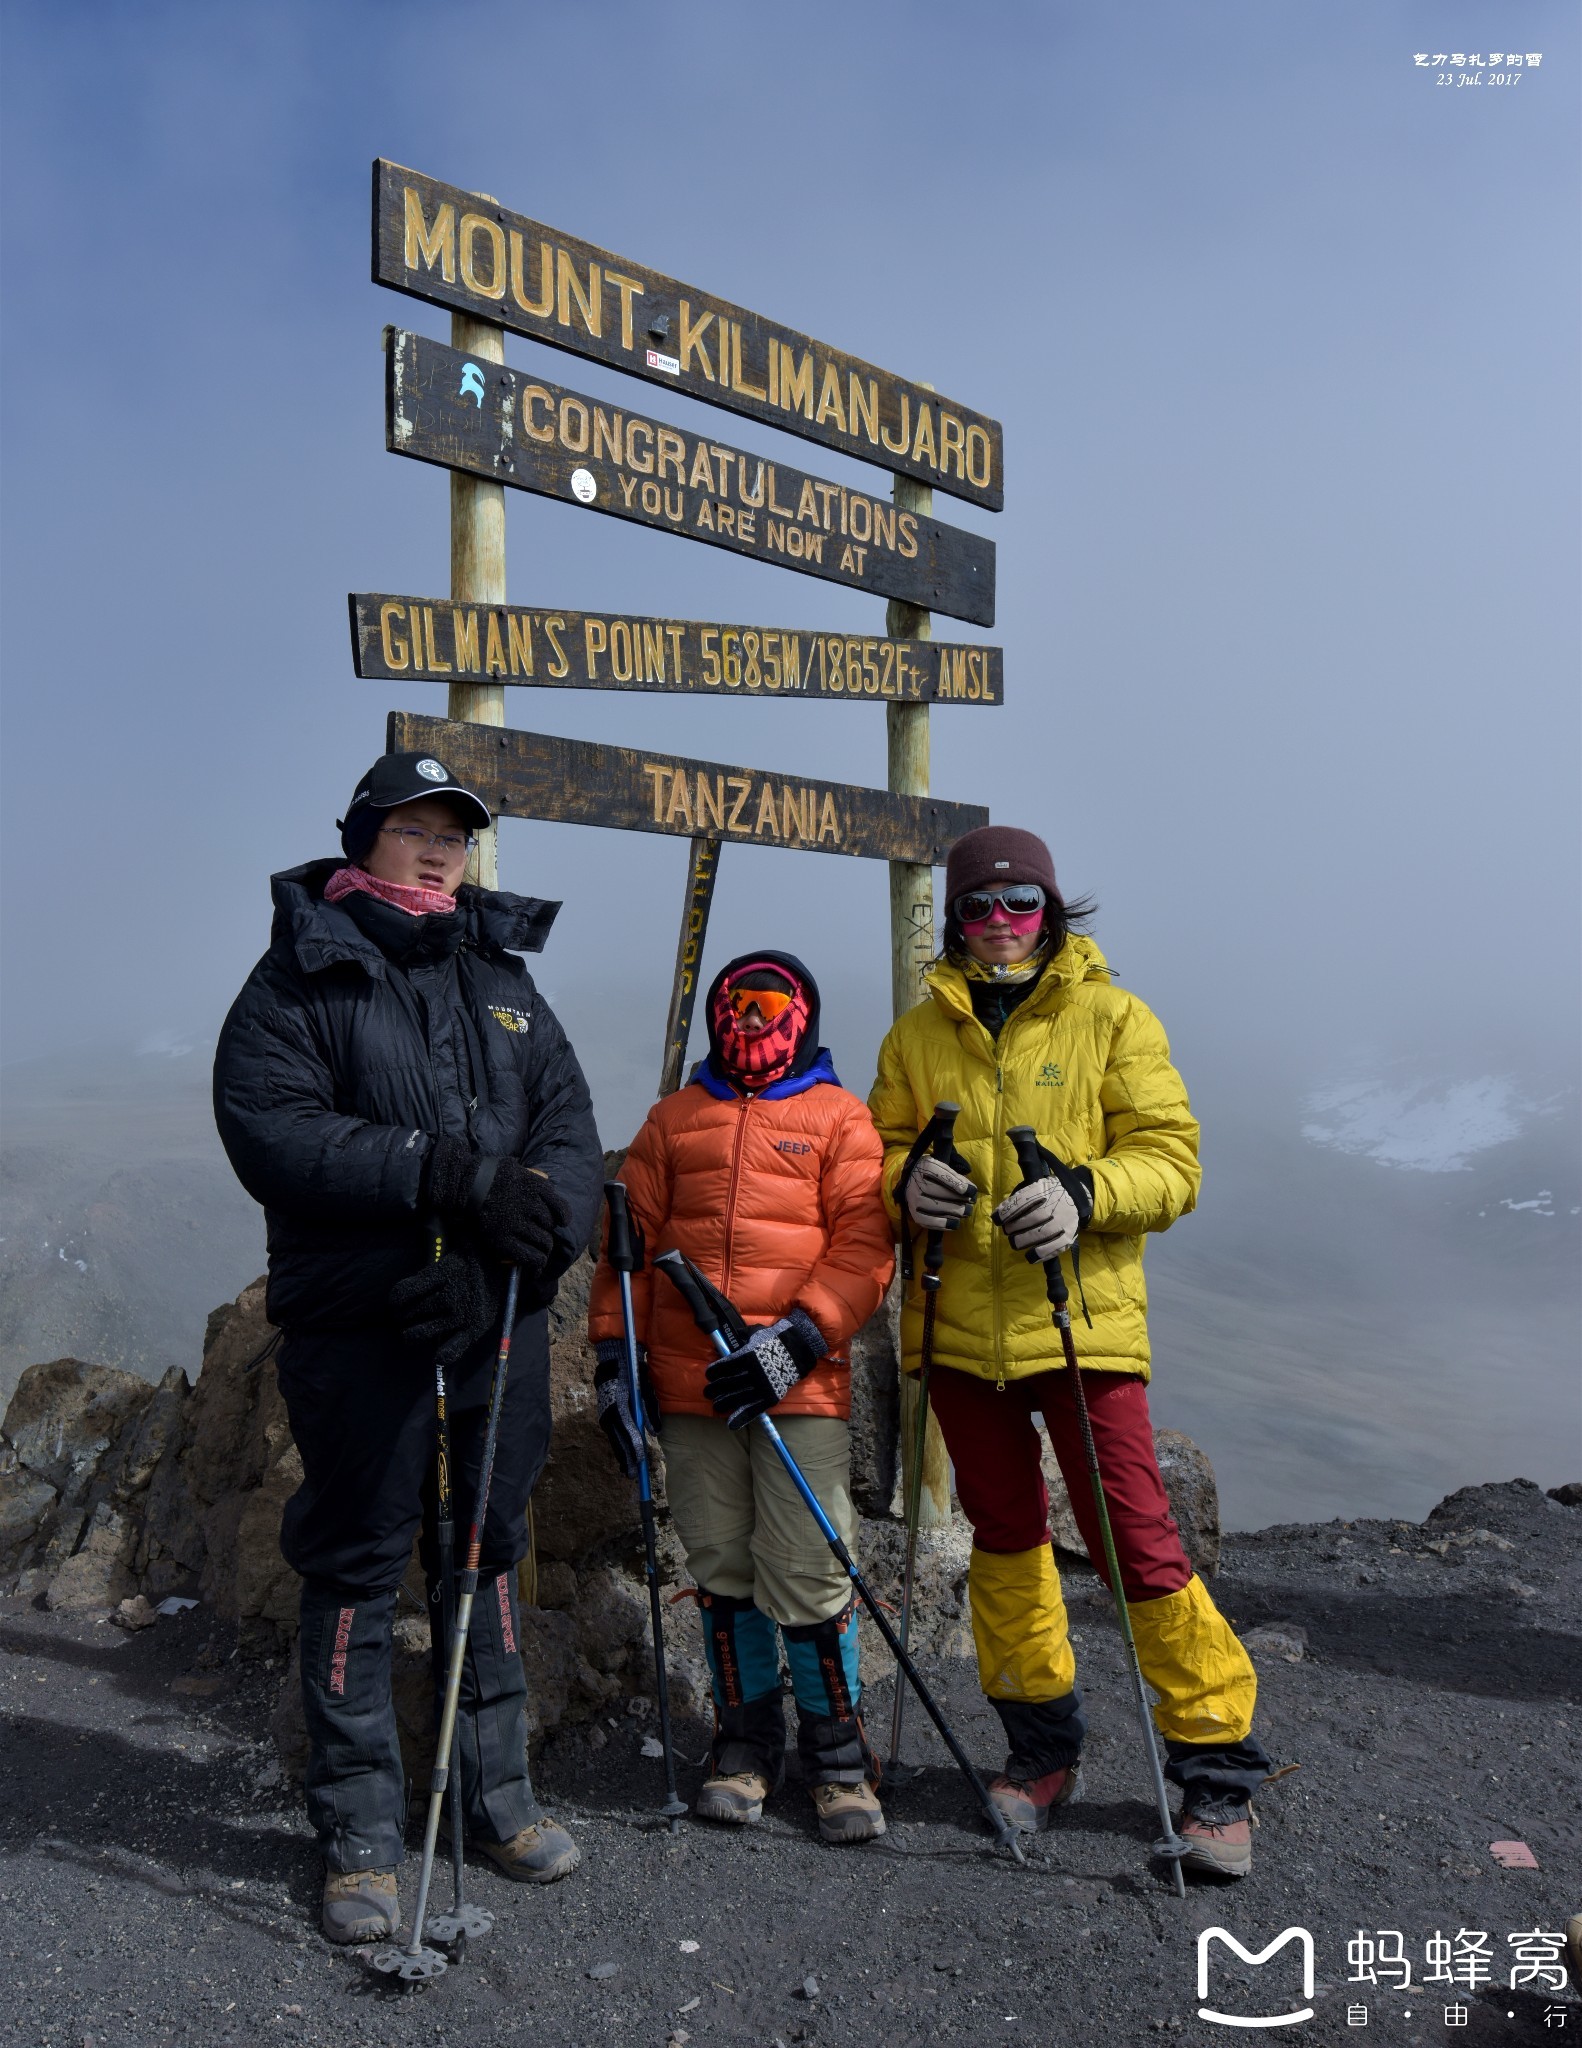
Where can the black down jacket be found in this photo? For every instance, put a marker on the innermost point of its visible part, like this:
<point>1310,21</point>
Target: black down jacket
<point>360,1036</point>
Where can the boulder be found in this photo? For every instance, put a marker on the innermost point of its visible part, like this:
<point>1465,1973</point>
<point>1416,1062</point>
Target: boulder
<point>582,1504</point>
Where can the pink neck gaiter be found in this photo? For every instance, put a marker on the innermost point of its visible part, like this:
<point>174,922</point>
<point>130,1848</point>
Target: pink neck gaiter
<point>408,896</point>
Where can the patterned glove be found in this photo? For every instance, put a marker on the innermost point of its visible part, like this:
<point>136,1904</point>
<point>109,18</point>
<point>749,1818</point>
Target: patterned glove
<point>450,1305</point>
<point>615,1402</point>
<point>752,1380</point>
<point>1040,1219</point>
<point>937,1196</point>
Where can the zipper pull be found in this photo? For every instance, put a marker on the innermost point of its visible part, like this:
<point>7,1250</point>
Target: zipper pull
<point>999,1385</point>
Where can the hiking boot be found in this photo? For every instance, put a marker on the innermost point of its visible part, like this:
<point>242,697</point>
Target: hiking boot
<point>848,1813</point>
<point>736,1797</point>
<point>360,1905</point>
<point>535,1855</point>
<point>1028,1802</point>
<point>1217,1828</point>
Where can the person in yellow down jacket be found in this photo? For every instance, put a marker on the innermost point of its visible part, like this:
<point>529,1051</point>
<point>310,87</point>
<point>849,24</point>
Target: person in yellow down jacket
<point>1024,1025</point>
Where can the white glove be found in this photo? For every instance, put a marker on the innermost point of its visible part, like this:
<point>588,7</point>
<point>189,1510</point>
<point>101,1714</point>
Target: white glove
<point>1040,1219</point>
<point>937,1197</point>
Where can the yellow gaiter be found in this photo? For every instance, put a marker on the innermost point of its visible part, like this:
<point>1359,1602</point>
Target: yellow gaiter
<point>1019,1624</point>
<point>1193,1660</point>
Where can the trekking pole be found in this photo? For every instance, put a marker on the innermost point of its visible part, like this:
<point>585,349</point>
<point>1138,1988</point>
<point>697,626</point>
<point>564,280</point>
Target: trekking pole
<point>1170,1847</point>
<point>621,1251</point>
<point>415,1962</point>
<point>463,1922</point>
<point>943,1126</point>
<point>692,1287</point>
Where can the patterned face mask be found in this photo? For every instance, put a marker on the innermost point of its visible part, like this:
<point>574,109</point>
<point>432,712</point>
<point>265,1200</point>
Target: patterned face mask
<point>755,1059</point>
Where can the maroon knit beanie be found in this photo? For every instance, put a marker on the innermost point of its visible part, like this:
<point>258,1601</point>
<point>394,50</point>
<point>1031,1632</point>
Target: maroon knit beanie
<point>997,855</point>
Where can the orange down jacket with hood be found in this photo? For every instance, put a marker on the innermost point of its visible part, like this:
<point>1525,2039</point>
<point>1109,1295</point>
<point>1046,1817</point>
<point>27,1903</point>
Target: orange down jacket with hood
<point>776,1197</point>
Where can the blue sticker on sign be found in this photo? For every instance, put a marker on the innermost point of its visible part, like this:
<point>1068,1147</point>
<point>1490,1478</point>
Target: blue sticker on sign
<point>472,384</point>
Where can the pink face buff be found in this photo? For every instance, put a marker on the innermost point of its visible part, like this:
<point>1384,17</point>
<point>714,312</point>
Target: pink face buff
<point>1022,926</point>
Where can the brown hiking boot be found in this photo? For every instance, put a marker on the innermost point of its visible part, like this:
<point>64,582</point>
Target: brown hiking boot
<point>736,1797</point>
<point>359,1905</point>
<point>848,1813</point>
<point>539,1854</point>
<point>1028,1802</point>
<point>1217,1829</point>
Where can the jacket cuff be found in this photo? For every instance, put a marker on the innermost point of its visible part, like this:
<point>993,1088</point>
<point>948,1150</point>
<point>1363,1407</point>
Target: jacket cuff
<point>810,1333</point>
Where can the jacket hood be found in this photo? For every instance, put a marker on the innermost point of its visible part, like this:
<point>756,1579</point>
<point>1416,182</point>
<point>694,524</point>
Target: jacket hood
<point>1078,960</point>
<point>322,934</point>
<point>807,1052</point>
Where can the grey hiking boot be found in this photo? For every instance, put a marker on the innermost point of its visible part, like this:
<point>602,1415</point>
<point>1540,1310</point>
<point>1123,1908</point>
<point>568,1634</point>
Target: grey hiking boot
<point>848,1813</point>
<point>360,1905</point>
<point>539,1854</point>
<point>1217,1829</point>
<point>736,1797</point>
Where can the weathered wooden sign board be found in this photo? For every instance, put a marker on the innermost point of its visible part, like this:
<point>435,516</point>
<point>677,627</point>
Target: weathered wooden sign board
<point>458,249</point>
<point>465,414</point>
<point>433,639</point>
<point>579,782</point>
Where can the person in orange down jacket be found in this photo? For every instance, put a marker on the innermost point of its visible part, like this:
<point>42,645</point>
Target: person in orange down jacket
<point>765,1173</point>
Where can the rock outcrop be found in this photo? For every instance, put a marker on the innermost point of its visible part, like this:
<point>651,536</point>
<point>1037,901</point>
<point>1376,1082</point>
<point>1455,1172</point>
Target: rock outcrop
<point>111,1487</point>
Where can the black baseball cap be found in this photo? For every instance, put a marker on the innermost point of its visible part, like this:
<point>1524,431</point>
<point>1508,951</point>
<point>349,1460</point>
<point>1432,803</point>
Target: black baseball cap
<point>401,779</point>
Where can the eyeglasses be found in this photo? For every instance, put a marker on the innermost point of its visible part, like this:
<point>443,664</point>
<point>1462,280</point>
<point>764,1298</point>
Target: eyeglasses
<point>414,839</point>
<point>768,1002</point>
<point>1017,899</point>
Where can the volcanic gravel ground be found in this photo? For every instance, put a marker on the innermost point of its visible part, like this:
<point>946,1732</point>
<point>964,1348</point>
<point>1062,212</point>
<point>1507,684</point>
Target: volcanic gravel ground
<point>158,1884</point>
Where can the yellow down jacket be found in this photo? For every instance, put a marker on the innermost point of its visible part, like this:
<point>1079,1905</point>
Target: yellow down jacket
<point>1088,1066</point>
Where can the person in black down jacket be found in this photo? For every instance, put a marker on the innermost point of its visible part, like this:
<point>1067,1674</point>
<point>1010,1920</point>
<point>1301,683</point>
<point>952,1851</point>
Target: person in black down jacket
<point>388,1074</point>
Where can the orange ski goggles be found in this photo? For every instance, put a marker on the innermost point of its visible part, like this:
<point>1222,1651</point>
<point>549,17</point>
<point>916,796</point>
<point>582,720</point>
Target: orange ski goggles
<point>768,1002</point>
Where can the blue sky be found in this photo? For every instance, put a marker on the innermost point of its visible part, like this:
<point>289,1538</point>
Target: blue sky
<point>1283,336</point>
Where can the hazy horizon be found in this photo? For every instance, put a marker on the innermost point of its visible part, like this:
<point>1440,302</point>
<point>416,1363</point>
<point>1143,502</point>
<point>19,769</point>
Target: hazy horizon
<point>1283,337</point>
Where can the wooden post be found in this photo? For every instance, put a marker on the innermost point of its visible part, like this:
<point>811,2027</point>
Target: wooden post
<point>702,865</point>
<point>477,574</point>
<point>911,949</point>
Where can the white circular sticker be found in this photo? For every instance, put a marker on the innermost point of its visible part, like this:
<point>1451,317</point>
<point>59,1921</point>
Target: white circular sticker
<point>584,486</point>
<point>431,771</point>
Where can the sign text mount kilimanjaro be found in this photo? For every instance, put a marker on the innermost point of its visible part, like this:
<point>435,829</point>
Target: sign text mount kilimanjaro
<point>457,249</point>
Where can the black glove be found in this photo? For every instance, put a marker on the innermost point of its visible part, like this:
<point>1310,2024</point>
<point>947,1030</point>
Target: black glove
<point>449,1306</point>
<point>615,1403</point>
<point>750,1381</point>
<point>514,1210</point>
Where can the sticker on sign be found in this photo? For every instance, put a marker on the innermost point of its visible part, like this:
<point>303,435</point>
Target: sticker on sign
<point>671,365</point>
<point>584,486</point>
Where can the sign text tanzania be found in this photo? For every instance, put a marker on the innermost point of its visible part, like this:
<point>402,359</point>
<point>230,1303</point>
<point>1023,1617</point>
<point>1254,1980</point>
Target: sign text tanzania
<point>438,640</point>
<point>530,775</point>
<point>458,249</point>
<point>448,408</point>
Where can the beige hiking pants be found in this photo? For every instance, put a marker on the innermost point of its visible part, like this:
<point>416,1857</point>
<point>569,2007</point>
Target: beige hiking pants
<point>745,1528</point>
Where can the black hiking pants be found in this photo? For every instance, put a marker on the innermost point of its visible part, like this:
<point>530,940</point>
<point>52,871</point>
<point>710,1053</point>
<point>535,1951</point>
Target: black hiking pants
<point>361,1407</point>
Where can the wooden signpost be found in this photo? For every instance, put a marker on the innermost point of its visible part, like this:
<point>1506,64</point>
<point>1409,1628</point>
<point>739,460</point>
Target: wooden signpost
<point>433,639</point>
<point>490,426</point>
<point>581,782</point>
<point>463,250</point>
<point>445,407</point>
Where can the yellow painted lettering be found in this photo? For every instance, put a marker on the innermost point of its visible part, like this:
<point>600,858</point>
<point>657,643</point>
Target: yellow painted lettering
<point>535,395</point>
<point>464,634</point>
<point>430,245</point>
<point>539,307</point>
<point>952,445</point>
<point>702,477</point>
<point>767,814</point>
<point>743,786</point>
<point>829,399</point>
<point>901,445</point>
<point>863,405</point>
<point>642,464</point>
<point>395,648</point>
<point>691,342</point>
<point>796,382</point>
<point>738,379</point>
<point>553,628</point>
<point>473,225</point>
<point>594,640</point>
<point>923,440</point>
<point>494,647</point>
<point>606,435</point>
<point>659,773</point>
<point>519,640</point>
<point>828,823</point>
<point>629,288</point>
<point>569,288</point>
<point>680,805</point>
<point>672,453</point>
